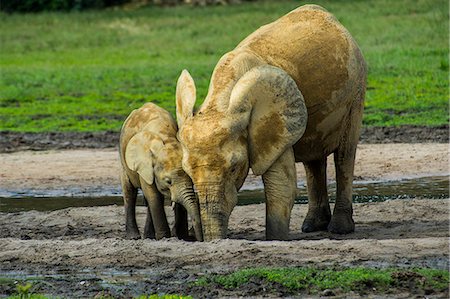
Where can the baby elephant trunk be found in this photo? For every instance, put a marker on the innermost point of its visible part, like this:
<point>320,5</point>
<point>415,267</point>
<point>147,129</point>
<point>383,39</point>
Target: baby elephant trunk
<point>189,201</point>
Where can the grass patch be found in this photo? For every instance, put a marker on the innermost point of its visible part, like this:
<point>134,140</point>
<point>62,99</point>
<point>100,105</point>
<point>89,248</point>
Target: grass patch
<point>315,280</point>
<point>87,71</point>
<point>30,289</point>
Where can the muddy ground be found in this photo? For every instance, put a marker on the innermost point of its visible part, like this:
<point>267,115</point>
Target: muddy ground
<point>80,252</point>
<point>84,246</point>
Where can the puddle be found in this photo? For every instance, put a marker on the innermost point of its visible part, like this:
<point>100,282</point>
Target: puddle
<point>436,187</point>
<point>427,187</point>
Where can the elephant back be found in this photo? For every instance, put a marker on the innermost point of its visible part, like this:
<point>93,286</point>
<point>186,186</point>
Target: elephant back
<point>325,62</point>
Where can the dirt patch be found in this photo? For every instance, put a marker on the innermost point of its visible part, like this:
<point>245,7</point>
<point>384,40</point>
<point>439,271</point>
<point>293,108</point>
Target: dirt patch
<point>405,134</point>
<point>17,141</point>
<point>400,233</point>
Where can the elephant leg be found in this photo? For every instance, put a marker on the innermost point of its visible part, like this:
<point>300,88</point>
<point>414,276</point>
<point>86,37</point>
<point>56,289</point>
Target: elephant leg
<point>129,200</point>
<point>319,213</point>
<point>149,230</point>
<point>155,202</point>
<point>181,230</point>
<point>342,220</point>
<point>280,183</point>
<point>344,160</point>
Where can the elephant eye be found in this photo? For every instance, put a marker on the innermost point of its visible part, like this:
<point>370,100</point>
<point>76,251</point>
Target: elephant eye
<point>168,181</point>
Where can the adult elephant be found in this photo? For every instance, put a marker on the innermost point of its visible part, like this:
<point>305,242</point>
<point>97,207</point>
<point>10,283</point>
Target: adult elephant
<point>254,116</point>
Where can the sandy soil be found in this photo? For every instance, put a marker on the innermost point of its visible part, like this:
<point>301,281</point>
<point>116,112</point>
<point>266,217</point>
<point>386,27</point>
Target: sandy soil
<point>90,170</point>
<point>85,246</point>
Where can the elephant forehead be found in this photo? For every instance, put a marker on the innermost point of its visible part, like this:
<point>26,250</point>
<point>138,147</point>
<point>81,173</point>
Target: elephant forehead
<point>172,160</point>
<point>208,161</point>
<point>204,134</point>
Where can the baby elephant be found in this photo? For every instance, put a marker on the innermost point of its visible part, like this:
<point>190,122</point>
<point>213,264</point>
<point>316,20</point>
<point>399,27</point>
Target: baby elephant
<point>151,156</point>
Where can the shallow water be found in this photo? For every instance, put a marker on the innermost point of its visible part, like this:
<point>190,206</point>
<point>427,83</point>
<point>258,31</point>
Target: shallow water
<point>427,187</point>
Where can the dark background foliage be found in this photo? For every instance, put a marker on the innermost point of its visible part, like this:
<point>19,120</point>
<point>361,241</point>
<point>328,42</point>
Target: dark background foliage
<point>49,5</point>
<point>77,5</point>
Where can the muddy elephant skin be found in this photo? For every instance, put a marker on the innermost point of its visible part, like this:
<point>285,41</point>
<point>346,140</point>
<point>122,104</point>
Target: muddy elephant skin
<point>151,157</point>
<point>292,91</point>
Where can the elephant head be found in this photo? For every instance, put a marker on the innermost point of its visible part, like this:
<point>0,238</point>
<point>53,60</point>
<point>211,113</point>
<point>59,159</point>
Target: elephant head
<point>155,155</point>
<point>251,125</point>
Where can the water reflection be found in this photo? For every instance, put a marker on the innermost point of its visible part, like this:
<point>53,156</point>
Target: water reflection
<point>428,187</point>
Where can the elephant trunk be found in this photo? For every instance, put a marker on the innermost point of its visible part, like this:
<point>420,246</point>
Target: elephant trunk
<point>213,215</point>
<point>189,201</point>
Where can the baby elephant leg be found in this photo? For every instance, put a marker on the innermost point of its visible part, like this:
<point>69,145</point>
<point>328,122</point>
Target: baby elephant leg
<point>149,230</point>
<point>155,202</point>
<point>129,199</point>
<point>181,228</point>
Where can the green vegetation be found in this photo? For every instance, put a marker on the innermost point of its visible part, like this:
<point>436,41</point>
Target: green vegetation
<point>29,289</point>
<point>352,279</point>
<point>25,291</point>
<point>87,71</point>
<point>290,281</point>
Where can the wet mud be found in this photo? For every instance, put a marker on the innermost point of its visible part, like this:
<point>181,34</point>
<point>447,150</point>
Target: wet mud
<point>81,252</point>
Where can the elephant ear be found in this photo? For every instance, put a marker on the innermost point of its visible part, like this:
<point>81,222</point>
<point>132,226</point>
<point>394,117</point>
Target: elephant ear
<point>185,95</point>
<point>267,102</point>
<point>139,155</point>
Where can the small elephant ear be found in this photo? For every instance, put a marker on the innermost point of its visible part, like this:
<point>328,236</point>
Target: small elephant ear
<point>267,101</point>
<point>185,94</point>
<point>139,157</point>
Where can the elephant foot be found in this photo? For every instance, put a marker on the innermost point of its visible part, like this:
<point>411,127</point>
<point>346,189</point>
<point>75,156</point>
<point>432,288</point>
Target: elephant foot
<point>277,229</point>
<point>189,235</point>
<point>341,223</point>
<point>280,236</point>
<point>185,236</point>
<point>181,232</point>
<point>317,220</point>
<point>149,235</point>
<point>132,235</point>
<point>149,231</point>
<point>161,235</point>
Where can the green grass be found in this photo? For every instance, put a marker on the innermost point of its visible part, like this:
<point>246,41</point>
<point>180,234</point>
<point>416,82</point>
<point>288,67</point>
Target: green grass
<point>27,290</point>
<point>351,279</point>
<point>86,71</point>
